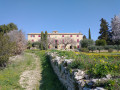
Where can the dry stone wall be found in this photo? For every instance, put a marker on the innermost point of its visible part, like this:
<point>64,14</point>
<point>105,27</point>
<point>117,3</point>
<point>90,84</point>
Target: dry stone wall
<point>72,79</point>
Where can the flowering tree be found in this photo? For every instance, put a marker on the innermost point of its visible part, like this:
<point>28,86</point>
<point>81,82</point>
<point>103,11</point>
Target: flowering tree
<point>67,40</point>
<point>115,25</point>
<point>51,41</point>
<point>19,38</point>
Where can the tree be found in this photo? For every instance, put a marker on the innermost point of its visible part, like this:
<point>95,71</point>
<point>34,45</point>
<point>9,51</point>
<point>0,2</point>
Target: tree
<point>86,42</point>
<point>115,25</point>
<point>66,41</point>
<point>12,26</point>
<point>6,49</point>
<point>7,28</point>
<point>19,38</point>
<point>51,41</point>
<point>45,40</point>
<point>42,40</point>
<point>89,34</point>
<point>103,30</point>
<point>84,37</point>
<point>100,42</point>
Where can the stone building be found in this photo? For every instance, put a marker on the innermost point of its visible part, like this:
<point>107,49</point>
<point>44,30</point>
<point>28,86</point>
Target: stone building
<point>59,37</point>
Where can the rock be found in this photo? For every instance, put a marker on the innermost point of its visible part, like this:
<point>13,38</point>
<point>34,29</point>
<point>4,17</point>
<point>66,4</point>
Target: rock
<point>95,80</point>
<point>108,76</point>
<point>99,88</point>
<point>86,77</point>
<point>79,77</point>
<point>90,83</point>
<point>85,88</point>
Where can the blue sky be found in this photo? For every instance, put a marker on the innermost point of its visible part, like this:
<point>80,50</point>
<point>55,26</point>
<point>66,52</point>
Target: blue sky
<point>34,16</point>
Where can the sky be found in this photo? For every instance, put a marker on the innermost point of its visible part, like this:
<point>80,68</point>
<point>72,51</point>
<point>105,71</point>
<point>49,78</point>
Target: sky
<point>65,16</point>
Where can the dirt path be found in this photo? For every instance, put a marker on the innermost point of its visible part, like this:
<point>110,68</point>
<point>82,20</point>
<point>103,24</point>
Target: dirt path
<point>29,79</point>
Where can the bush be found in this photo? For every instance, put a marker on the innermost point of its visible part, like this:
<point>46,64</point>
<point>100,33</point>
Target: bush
<point>6,49</point>
<point>84,49</point>
<point>110,50</point>
<point>86,42</point>
<point>107,47</point>
<point>92,48</point>
<point>100,42</point>
<point>99,48</point>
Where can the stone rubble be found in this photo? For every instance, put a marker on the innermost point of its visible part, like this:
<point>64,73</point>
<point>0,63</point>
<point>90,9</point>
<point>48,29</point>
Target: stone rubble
<point>75,80</point>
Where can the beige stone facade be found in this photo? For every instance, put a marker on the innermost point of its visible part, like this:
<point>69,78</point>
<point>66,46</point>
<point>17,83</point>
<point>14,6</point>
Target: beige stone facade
<point>34,37</point>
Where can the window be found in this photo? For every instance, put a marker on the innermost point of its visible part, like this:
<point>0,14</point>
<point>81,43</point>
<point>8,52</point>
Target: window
<point>38,35</point>
<point>77,35</point>
<point>31,35</point>
<point>62,35</point>
<point>78,46</point>
<point>77,40</point>
<point>70,35</point>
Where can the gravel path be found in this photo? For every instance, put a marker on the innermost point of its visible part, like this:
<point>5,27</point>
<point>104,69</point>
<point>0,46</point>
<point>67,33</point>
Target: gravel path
<point>29,79</point>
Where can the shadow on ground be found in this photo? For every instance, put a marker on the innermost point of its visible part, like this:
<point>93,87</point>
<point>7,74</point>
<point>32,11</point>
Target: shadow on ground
<point>49,80</point>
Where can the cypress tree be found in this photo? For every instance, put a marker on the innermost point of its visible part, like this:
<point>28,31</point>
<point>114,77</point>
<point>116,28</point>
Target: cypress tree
<point>103,30</point>
<point>89,34</point>
<point>45,38</point>
<point>42,40</point>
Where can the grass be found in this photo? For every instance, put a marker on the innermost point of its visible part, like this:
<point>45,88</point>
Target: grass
<point>49,78</point>
<point>9,77</point>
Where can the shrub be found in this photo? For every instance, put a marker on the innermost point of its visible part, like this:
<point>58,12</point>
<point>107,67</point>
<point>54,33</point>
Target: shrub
<point>36,44</point>
<point>100,42</point>
<point>107,47</point>
<point>84,49</point>
<point>29,45</point>
<point>92,48</point>
<point>86,42</point>
<point>99,48</point>
<point>110,50</point>
<point>6,49</point>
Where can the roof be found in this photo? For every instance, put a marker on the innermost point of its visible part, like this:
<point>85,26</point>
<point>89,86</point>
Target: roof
<point>56,33</point>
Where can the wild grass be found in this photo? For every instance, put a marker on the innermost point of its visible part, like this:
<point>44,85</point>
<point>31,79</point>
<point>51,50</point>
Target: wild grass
<point>9,77</point>
<point>49,80</point>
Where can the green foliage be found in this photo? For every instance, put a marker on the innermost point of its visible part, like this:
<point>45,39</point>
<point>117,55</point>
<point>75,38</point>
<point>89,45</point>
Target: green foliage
<point>110,50</point>
<point>84,49</point>
<point>86,42</point>
<point>9,27</point>
<point>103,30</point>
<point>42,40</point>
<point>84,37</point>
<point>100,42</point>
<point>49,80</point>
<point>99,48</point>
<point>6,49</point>
<point>92,48</point>
<point>10,76</point>
<point>89,34</point>
<point>29,45</point>
<point>45,40</point>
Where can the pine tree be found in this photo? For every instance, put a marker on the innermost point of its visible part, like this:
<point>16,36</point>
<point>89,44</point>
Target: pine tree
<point>45,39</point>
<point>103,30</point>
<point>89,34</point>
<point>42,40</point>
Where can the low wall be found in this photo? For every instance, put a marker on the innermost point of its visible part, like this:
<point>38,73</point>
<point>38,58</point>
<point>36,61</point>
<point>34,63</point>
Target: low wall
<point>72,79</point>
